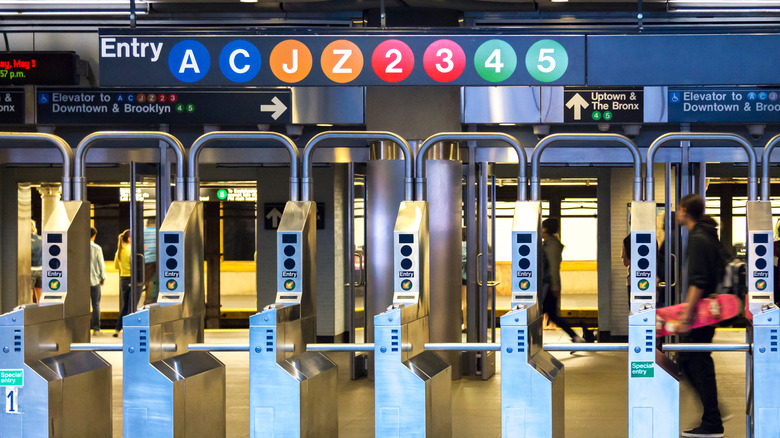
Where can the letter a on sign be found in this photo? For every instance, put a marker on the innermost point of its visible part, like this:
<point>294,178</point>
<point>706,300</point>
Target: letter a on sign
<point>189,62</point>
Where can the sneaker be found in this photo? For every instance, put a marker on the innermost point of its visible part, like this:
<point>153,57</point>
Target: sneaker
<point>703,432</point>
<point>97,332</point>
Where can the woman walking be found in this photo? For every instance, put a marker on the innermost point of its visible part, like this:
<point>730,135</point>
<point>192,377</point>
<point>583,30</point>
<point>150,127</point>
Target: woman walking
<point>122,263</point>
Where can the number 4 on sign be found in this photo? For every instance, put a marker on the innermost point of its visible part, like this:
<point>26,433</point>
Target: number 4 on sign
<point>12,400</point>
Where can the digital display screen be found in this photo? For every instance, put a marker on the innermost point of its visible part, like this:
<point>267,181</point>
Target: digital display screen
<point>289,238</point>
<point>170,238</point>
<point>39,68</point>
<point>760,238</point>
<point>406,238</point>
<point>524,238</point>
<point>643,238</point>
<point>54,238</point>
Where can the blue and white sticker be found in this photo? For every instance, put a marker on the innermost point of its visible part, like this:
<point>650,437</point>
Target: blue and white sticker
<point>189,61</point>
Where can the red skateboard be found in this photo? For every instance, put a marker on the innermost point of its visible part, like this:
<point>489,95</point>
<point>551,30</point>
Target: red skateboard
<point>711,310</point>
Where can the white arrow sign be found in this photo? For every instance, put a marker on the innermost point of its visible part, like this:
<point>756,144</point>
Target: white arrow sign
<point>274,215</point>
<point>578,103</point>
<point>277,108</point>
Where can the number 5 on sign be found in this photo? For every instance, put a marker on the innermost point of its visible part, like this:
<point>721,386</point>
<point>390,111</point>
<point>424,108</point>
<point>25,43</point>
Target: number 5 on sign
<point>546,60</point>
<point>12,400</point>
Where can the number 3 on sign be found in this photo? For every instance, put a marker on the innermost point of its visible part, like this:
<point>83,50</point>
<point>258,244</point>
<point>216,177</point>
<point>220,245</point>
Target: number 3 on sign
<point>546,61</point>
<point>12,400</point>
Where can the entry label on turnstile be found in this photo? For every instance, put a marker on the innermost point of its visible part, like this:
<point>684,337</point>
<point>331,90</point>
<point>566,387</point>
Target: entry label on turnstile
<point>171,266</point>
<point>643,261</point>
<point>524,264</point>
<point>289,261</point>
<point>407,262</point>
<point>642,369</point>
<point>54,267</point>
<point>760,261</point>
<point>11,377</point>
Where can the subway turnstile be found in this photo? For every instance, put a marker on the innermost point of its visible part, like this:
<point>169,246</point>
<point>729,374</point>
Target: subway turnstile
<point>412,386</point>
<point>653,388</point>
<point>51,391</point>
<point>168,391</point>
<point>292,391</point>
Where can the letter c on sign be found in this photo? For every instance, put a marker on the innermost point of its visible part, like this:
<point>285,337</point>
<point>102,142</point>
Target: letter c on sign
<point>239,61</point>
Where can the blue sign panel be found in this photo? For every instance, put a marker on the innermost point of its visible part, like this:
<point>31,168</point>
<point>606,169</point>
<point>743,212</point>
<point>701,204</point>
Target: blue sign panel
<point>724,105</point>
<point>646,60</point>
<point>146,59</point>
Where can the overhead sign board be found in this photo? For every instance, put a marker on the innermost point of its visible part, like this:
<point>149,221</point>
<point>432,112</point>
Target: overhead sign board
<point>132,58</point>
<point>39,68</point>
<point>154,106</point>
<point>12,107</point>
<point>591,105</point>
<point>724,105</point>
<point>701,59</point>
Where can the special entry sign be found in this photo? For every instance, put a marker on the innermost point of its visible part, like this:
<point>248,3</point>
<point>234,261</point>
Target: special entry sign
<point>131,58</point>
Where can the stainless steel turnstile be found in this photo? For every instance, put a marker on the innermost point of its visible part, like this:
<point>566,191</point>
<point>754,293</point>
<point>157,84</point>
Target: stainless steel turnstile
<point>292,392</point>
<point>168,391</point>
<point>49,390</point>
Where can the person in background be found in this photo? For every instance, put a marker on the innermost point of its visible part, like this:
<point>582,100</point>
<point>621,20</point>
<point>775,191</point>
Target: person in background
<point>150,262</point>
<point>705,269</point>
<point>97,276</point>
<point>626,257</point>
<point>36,256</point>
<point>122,264</point>
<point>551,278</point>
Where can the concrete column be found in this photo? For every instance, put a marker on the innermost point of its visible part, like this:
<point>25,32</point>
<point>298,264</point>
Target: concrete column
<point>50,196</point>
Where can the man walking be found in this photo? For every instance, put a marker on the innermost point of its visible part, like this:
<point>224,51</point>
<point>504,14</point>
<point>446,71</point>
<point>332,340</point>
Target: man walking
<point>97,276</point>
<point>705,267</point>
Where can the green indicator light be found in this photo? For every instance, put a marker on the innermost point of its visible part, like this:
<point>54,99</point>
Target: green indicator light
<point>546,60</point>
<point>221,194</point>
<point>596,115</point>
<point>495,60</point>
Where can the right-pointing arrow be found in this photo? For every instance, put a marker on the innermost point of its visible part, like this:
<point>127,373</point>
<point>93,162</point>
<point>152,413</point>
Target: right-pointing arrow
<point>277,107</point>
<point>578,103</point>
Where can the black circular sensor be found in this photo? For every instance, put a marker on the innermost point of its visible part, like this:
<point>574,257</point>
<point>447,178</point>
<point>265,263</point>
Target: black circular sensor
<point>406,250</point>
<point>524,250</point>
<point>289,264</point>
<point>643,250</point>
<point>54,250</point>
<point>760,264</point>
<point>171,250</point>
<point>289,250</point>
<point>760,250</point>
<point>406,263</point>
<point>171,264</point>
<point>524,264</point>
<point>643,264</point>
<point>54,263</point>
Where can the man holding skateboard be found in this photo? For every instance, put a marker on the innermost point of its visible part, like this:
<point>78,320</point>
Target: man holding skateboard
<point>705,268</point>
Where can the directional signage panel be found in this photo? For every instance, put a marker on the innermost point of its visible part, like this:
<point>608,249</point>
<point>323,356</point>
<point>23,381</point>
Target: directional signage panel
<point>272,215</point>
<point>133,58</point>
<point>12,107</point>
<point>724,105</point>
<point>155,106</point>
<point>644,60</point>
<point>590,105</point>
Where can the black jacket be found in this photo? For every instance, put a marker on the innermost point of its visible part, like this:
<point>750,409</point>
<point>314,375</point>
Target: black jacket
<point>705,256</point>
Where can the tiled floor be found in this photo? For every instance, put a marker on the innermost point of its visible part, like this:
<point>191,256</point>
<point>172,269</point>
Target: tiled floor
<point>596,393</point>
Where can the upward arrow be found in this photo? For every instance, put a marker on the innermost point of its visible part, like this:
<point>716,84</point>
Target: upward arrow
<point>578,103</point>
<point>274,215</point>
<point>277,108</point>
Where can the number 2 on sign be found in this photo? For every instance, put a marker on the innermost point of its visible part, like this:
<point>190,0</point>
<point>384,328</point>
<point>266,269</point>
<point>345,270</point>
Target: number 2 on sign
<point>12,400</point>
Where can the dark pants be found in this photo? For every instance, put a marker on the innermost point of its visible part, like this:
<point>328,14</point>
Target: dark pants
<point>94,295</point>
<point>128,304</point>
<point>700,370</point>
<point>550,307</point>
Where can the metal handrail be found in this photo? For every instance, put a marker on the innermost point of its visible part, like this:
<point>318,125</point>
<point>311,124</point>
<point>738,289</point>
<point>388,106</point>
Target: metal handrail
<point>701,136</point>
<point>317,140</point>
<point>707,347</point>
<point>457,346</point>
<point>512,142</point>
<point>546,142</point>
<point>765,159</point>
<point>60,144</point>
<point>205,140</point>
<point>586,347</point>
<point>96,347</point>
<point>341,347</point>
<point>79,180</point>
